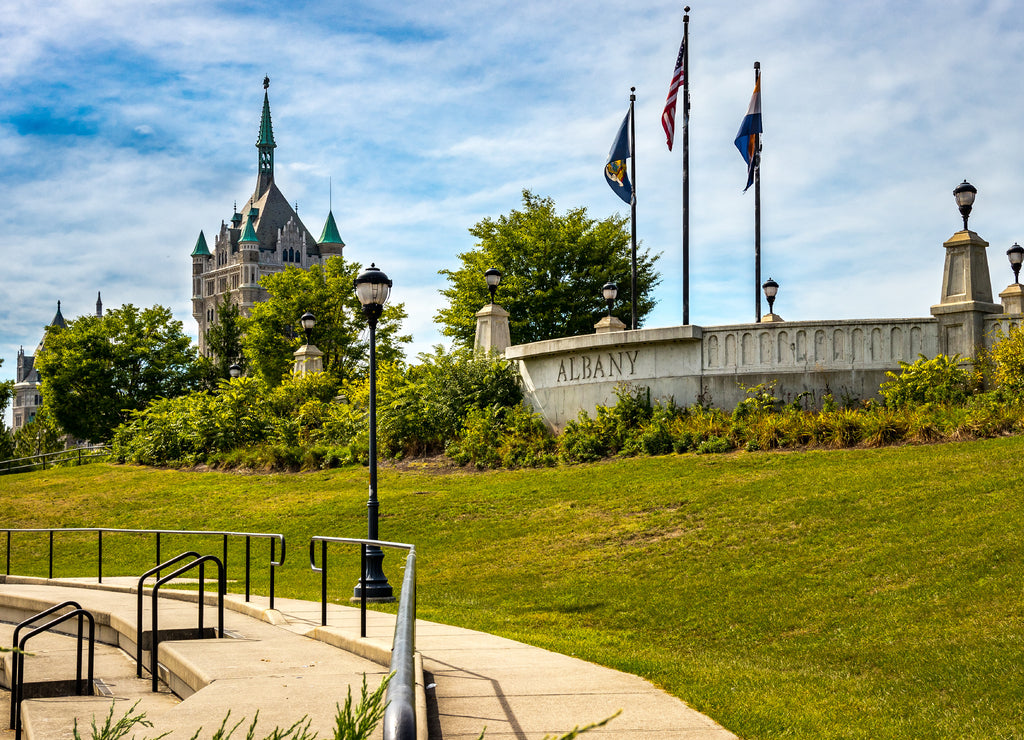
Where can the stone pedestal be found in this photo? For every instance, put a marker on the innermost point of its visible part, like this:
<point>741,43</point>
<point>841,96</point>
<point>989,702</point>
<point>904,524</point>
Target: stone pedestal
<point>1013,299</point>
<point>308,359</point>
<point>966,295</point>
<point>609,324</point>
<point>492,332</point>
<point>771,318</point>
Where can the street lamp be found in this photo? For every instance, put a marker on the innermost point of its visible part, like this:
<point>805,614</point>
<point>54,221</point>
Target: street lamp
<point>235,371</point>
<point>964,195</point>
<point>493,277</point>
<point>1016,255</point>
<point>372,288</point>
<point>771,289</point>
<point>610,291</point>
<point>308,321</point>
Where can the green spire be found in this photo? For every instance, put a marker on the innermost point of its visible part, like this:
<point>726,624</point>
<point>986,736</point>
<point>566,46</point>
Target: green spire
<point>266,144</point>
<point>201,249</point>
<point>249,235</point>
<point>330,234</point>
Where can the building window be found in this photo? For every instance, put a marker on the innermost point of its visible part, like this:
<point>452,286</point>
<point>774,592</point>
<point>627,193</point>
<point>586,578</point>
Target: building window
<point>222,285</point>
<point>209,287</point>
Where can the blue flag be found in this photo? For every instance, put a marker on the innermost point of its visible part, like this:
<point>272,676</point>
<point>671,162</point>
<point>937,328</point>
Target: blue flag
<point>749,136</point>
<point>615,169</point>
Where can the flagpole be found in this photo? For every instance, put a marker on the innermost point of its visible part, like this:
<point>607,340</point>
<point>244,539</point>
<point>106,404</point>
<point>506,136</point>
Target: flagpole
<point>686,165</point>
<point>757,213</point>
<point>632,204</point>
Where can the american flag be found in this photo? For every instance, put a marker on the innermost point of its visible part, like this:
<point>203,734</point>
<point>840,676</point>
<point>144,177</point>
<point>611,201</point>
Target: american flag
<point>668,116</point>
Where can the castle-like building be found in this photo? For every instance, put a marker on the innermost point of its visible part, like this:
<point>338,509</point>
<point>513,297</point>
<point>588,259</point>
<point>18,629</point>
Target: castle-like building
<point>264,237</point>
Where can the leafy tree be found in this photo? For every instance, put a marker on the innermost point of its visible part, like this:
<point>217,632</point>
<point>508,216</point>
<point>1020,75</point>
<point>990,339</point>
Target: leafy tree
<point>553,267</point>
<point>272,331</point>
<point>39,436</point>
<point>224,339</point>
<point>6,440</point>
<point>98,369</point>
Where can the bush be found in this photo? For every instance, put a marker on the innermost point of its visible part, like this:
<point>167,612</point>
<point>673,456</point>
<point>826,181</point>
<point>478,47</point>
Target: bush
<point>938,380</point>
<point>1007,358</point>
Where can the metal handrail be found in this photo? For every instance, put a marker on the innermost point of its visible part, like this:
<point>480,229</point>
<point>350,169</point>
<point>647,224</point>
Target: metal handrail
<point>76,455</point>
<point>19,658</point>
<point>221,588</point>
<point>400,714</point>
<point>273,537</point>
<point>138,610</point>
<point>17,631</point>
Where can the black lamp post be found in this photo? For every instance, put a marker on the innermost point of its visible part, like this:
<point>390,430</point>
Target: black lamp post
<point>308,321</point>
<point>964,195</point>
<point>1016,255</point>
<point>373,288</point>
<point>771,289</point>
<point>611,292</point>
<point>235,371</point>
<point>493,277</point>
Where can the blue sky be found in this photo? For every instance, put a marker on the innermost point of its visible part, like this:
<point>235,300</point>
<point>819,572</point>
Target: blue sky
<point>127,126</point>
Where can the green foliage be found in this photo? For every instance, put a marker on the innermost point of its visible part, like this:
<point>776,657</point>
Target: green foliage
<point>272,331</point>
<point>940,379</point>
<point>553,267</point>
<point>1007,357</point>
<point>303,422</point>
<point>224,343</point>
<point>503,436</point>
<point>39,436</point>
<point>97,370</point>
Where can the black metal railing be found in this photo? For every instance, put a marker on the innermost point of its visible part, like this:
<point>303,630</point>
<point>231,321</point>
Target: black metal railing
<point>400,714</point>
<point>275,539</point>
<point>74,456</point>
<point>138,610</point>
<point>154,639</point>
<point>18,669</point>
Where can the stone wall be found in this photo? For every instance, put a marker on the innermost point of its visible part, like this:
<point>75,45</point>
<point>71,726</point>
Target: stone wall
<point>561,377</point>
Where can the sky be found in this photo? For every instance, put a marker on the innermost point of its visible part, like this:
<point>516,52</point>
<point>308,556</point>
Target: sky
<point>127,126</point>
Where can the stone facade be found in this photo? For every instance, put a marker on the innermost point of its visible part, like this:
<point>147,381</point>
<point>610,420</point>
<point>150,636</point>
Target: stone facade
<point>713,365</point>
<point>264,237</point>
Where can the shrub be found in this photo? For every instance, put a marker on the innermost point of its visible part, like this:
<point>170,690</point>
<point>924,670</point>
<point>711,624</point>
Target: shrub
<point>1007,358</point>
<point>938,380</point>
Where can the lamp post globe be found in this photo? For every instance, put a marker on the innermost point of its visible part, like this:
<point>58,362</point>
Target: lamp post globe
<point>235,371</point>
<point>373,288</point>
<point>493,278</point>
<point>1016,256</point>
<point>610,291</point>
<point>307,321</point>
<point>965,194</point>
<point>771,289</point>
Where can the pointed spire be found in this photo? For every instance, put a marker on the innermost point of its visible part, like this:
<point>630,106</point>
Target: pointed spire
<point>99,304</point>
<point>330,233</point>
<point>58,319</point>
<point>249,235</point>
<point>265,145</point>
<point>201,249</point>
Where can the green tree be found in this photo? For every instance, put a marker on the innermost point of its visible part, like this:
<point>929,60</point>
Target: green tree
<point>553,267</point>
<point>97,370</point>
<point>6,440</point>
<point>39,436</point>
<point>272,332</point>
<point>224,339</point>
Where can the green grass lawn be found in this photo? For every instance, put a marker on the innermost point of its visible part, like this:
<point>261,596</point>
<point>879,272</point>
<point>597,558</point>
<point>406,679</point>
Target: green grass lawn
<point>846,594</point>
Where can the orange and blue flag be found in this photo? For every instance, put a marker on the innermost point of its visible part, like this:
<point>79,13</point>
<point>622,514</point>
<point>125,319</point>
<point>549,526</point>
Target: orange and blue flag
<point>748,140</point>
<point>615,169</point>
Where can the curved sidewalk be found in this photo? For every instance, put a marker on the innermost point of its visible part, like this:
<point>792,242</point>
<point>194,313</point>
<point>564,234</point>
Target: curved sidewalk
<point>473,680</point>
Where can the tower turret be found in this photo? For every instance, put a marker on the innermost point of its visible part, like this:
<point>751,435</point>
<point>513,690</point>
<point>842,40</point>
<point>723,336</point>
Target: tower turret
<point>265,145</point>
<point>330,240</point>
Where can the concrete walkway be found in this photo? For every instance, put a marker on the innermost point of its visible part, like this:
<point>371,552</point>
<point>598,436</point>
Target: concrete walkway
<point>471,680</point>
